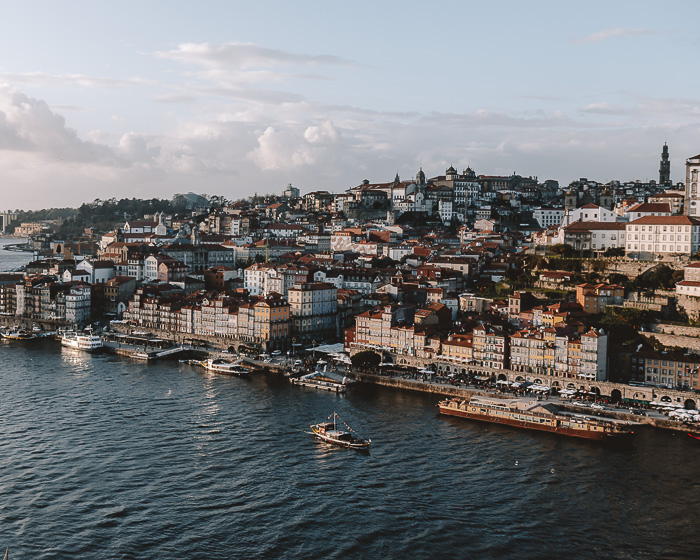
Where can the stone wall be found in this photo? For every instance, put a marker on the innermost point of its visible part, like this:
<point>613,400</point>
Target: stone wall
<point>681,330</point>
<point>689,304</point>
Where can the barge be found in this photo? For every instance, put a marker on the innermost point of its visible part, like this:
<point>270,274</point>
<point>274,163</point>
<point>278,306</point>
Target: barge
<point>537,416</point>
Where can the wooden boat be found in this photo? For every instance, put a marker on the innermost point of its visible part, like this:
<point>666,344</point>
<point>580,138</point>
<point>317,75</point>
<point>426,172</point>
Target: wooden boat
<point>329,432</point>
<point>537,416</point>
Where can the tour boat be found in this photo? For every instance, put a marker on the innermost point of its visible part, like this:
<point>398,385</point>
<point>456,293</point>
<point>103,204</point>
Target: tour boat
<point>536,416</point>
<point>82,341</point>
<point>222,365</point>
<point>18,334</point>
<point>321,380</point>
<point>329,432</point>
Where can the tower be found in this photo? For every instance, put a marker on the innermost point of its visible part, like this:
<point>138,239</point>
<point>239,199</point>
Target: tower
<point>606,199</point>
<point>665,167</point>
<point>420,177</point>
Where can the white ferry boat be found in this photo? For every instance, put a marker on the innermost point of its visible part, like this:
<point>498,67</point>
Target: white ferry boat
<point>322,380</point>
<point>222,365</point>
<point>88,342</point>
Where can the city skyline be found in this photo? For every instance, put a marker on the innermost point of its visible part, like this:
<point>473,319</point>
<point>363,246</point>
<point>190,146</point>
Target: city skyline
<point>233,99</point>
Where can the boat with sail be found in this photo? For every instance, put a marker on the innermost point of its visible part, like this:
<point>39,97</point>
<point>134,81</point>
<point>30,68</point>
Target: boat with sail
<point>330,432</point>
<point>535,415</point>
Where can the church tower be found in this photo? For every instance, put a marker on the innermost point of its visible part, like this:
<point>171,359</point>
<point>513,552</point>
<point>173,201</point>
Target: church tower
<point>420,177</point>
<point>606,199</point>
<point>665,168</point>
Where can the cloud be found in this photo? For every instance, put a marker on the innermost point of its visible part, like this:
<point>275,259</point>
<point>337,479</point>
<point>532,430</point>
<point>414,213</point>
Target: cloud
<point>44,79</point>
<point>175,98</point>
<point>234,148</point>
<point>604,108</point>
<point>244,56</point>
<point>612,33</point>
<point>29,125</point>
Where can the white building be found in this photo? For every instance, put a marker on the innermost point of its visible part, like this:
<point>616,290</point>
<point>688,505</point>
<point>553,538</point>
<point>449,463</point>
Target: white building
<point>78,309</point>
<point>662,236</point>
<point>692,195</point>
<point>589,213</point>
<point>547,216</point>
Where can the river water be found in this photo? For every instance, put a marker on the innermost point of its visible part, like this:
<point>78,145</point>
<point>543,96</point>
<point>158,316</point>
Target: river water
<point>103,457</point>
<point>10,260</point>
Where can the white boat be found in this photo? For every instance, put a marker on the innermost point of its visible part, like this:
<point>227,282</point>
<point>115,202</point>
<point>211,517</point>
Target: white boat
<point>323,380</point>
<point>88,342</point>
<point>18,334</point>
<point>329,432</point>
<point>222,365</point>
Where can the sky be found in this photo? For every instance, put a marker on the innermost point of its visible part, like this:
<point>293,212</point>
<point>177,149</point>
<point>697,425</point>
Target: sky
<point>149,99</point>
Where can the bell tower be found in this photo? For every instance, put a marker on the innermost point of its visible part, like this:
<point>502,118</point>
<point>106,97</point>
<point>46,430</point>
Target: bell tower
<point>665,168</point>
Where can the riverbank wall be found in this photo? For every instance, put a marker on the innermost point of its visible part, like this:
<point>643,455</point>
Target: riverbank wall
<point>460,392</point>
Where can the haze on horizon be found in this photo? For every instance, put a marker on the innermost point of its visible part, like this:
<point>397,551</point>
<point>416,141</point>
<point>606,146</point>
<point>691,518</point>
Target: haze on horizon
<point>151,99</point>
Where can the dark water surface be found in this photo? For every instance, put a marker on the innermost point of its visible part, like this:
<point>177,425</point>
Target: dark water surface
<point>102,457</point>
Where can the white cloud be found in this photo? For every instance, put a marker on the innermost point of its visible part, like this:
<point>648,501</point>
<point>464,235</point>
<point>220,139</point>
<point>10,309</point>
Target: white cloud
<point>29,125</point>
<point>44,79</point>
<point>612,33</point>
<point>243,56</point>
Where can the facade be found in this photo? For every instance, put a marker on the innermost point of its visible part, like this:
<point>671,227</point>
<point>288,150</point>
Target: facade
<point>692,194</point>
<point>594,298</point>
<point>491,347</point>
<point>662,236</point>
<point>313,308</point>
<point>547,216</point>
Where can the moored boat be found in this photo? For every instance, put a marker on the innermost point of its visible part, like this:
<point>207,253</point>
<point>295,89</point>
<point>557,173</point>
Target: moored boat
<point>536,416</point>
<point>329,432</point>
<point>18,334</point>
<point>222,365</point>
<point>88,342</point>
<point>321,380</point>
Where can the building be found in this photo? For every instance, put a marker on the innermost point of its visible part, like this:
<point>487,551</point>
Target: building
<point>594,236</point>
<point>491,347</point>
<point>594,298</point>
<point>313,308</point>
<point>547,216</point>
<point>662,236</point>
<point>692,195</point>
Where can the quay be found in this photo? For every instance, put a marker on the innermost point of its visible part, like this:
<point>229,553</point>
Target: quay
<point>653,419</point>
<point>149,346</point>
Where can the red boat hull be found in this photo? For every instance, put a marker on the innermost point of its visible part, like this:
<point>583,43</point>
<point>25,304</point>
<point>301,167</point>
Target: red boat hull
<point>585,434</point>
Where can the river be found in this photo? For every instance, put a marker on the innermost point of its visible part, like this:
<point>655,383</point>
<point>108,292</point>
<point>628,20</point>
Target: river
<point>102,457</point>
<point>10,260</point>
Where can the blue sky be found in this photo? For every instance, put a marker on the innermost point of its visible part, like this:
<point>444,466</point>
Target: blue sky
<point>148,99</point>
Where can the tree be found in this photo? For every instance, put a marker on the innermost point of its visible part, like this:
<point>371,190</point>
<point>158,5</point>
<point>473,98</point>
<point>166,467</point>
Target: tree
<point>566,251</point>
<point>614,252</point>
<point>366,359</point>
